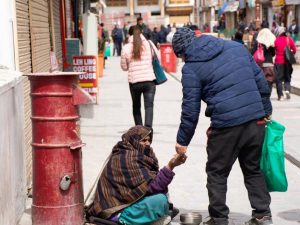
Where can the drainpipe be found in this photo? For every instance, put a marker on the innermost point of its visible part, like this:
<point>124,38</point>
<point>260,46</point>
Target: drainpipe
<point>76,13</point>
<point>63,33</point>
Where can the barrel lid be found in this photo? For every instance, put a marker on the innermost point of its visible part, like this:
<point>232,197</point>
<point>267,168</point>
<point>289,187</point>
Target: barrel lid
<point>48,74</point>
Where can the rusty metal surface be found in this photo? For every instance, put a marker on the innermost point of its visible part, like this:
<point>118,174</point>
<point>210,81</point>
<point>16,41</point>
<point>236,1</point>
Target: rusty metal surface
<point>54,74</point>
<point>56,149</point>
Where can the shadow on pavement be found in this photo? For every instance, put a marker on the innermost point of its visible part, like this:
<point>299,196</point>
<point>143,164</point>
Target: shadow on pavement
<point>290,215</point>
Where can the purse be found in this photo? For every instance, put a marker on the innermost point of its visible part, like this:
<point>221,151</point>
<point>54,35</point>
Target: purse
<point>258,55</point>
<point>107,51</point>
<point>157,68</point>
<point>272,158</point>
<point>288,54</point>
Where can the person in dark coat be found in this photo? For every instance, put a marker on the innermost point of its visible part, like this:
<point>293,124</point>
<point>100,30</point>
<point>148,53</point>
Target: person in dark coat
<point>294,30</point>
<point>162,34</point>
<point>238,37</point>
<point>117,36</point>
<point>224,75</point>
<point>265,23</point>
<point>154,36</point>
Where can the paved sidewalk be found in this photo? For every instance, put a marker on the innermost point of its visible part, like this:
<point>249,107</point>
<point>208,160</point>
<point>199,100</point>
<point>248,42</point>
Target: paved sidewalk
<point>296,79</point>
<point>113,116</point>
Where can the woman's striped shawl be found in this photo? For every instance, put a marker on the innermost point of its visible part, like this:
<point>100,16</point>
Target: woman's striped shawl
<point>125,178</point>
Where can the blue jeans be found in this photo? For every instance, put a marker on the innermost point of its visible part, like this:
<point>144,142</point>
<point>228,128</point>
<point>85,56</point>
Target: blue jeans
<point>145,211</point>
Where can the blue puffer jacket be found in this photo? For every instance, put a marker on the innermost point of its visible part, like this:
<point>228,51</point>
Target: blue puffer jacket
<point>224,75</point>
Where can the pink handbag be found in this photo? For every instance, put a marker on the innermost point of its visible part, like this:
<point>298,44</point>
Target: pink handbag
<point>258,55</point>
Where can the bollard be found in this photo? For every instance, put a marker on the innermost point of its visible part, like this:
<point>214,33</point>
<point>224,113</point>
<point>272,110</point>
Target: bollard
<point>101,64</point>
<point>168,58</point>
<point>56,148</point>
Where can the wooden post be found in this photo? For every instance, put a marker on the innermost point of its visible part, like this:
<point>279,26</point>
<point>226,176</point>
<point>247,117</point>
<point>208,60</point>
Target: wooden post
<point>131,6</point>
<point>162,8</point>
<point>257,13</point>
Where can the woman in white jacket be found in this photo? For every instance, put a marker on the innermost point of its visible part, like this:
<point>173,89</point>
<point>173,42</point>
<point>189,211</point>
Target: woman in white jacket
<point>136,58</point>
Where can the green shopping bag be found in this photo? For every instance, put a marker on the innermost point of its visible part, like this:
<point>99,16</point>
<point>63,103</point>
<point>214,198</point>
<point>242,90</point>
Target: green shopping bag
<point>272,158</point>
<point>107,51</point>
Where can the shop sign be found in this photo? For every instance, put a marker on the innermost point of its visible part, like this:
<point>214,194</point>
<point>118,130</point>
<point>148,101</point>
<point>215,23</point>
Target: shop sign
<point>276,3</point>
<point>89,80</point>
<point>232,6</point>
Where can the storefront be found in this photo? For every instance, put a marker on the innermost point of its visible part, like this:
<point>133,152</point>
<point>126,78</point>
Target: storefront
<point>179,14</point>
<point>231,15</point>
<point>292,11</point>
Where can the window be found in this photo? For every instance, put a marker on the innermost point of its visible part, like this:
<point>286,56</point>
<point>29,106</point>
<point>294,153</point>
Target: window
<point>147,2</point>
<point>115,3</point>
<point>179,1</point>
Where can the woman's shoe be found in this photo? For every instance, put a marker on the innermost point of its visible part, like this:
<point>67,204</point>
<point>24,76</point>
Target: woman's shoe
<point>266,220</point>
<point>209,222</point>
<point>288,95</point>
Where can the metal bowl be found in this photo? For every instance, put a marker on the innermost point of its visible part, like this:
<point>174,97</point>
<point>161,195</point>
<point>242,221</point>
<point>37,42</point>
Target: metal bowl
<point>192,218</point>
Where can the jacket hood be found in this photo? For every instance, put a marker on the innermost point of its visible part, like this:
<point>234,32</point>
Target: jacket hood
<point>204,49</point>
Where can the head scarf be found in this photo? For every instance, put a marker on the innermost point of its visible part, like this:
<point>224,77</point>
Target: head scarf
<point>181,40</point>
<point>266,37</point>
<point>279,31</point>
<point>127,174</point>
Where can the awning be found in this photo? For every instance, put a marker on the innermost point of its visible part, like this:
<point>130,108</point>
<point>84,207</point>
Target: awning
<point>179,10</point>
<point>221,10</point>
<point>232,6</point>
<point>292,2</point>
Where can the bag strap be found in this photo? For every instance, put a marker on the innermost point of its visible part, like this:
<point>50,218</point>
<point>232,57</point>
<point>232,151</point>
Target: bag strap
<point>259,45</point>
<point>153,53</point>
<point>288,42</point>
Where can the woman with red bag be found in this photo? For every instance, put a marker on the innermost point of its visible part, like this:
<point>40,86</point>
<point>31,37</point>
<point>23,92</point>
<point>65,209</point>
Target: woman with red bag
<point>265,40</point>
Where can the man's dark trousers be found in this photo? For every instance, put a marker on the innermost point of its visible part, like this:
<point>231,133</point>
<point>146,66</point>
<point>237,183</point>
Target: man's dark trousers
<point>224,146</point>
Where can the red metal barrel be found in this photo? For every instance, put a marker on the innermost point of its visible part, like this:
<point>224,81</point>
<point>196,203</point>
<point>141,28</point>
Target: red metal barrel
<point>168,58</point>
<point>56,149</point>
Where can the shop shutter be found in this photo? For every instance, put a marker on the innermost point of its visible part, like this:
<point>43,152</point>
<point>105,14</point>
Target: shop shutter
<point>23,35</point>
<point>22,13</point>
<point>56,32</point>
<point>40,35</point>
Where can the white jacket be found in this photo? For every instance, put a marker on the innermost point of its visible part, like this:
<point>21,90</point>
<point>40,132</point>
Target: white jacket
<point>138,70</point>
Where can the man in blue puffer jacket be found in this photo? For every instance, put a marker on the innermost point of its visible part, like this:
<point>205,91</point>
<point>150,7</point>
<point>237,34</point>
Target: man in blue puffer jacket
<point>224,75</point>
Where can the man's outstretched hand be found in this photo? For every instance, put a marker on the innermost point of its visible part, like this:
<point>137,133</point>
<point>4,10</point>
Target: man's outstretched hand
<point>180,149</point>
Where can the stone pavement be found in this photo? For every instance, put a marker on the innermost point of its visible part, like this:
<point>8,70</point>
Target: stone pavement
<point>296,80</point>
<point>113,115</point>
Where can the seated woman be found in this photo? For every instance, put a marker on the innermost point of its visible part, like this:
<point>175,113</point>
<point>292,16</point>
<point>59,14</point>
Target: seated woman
<point>131,189</point>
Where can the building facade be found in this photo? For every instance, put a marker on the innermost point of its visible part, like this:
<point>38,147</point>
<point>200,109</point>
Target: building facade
<point>154,12</point>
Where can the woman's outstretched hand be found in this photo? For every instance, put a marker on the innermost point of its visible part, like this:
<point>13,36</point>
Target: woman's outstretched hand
<point>177,160</point>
